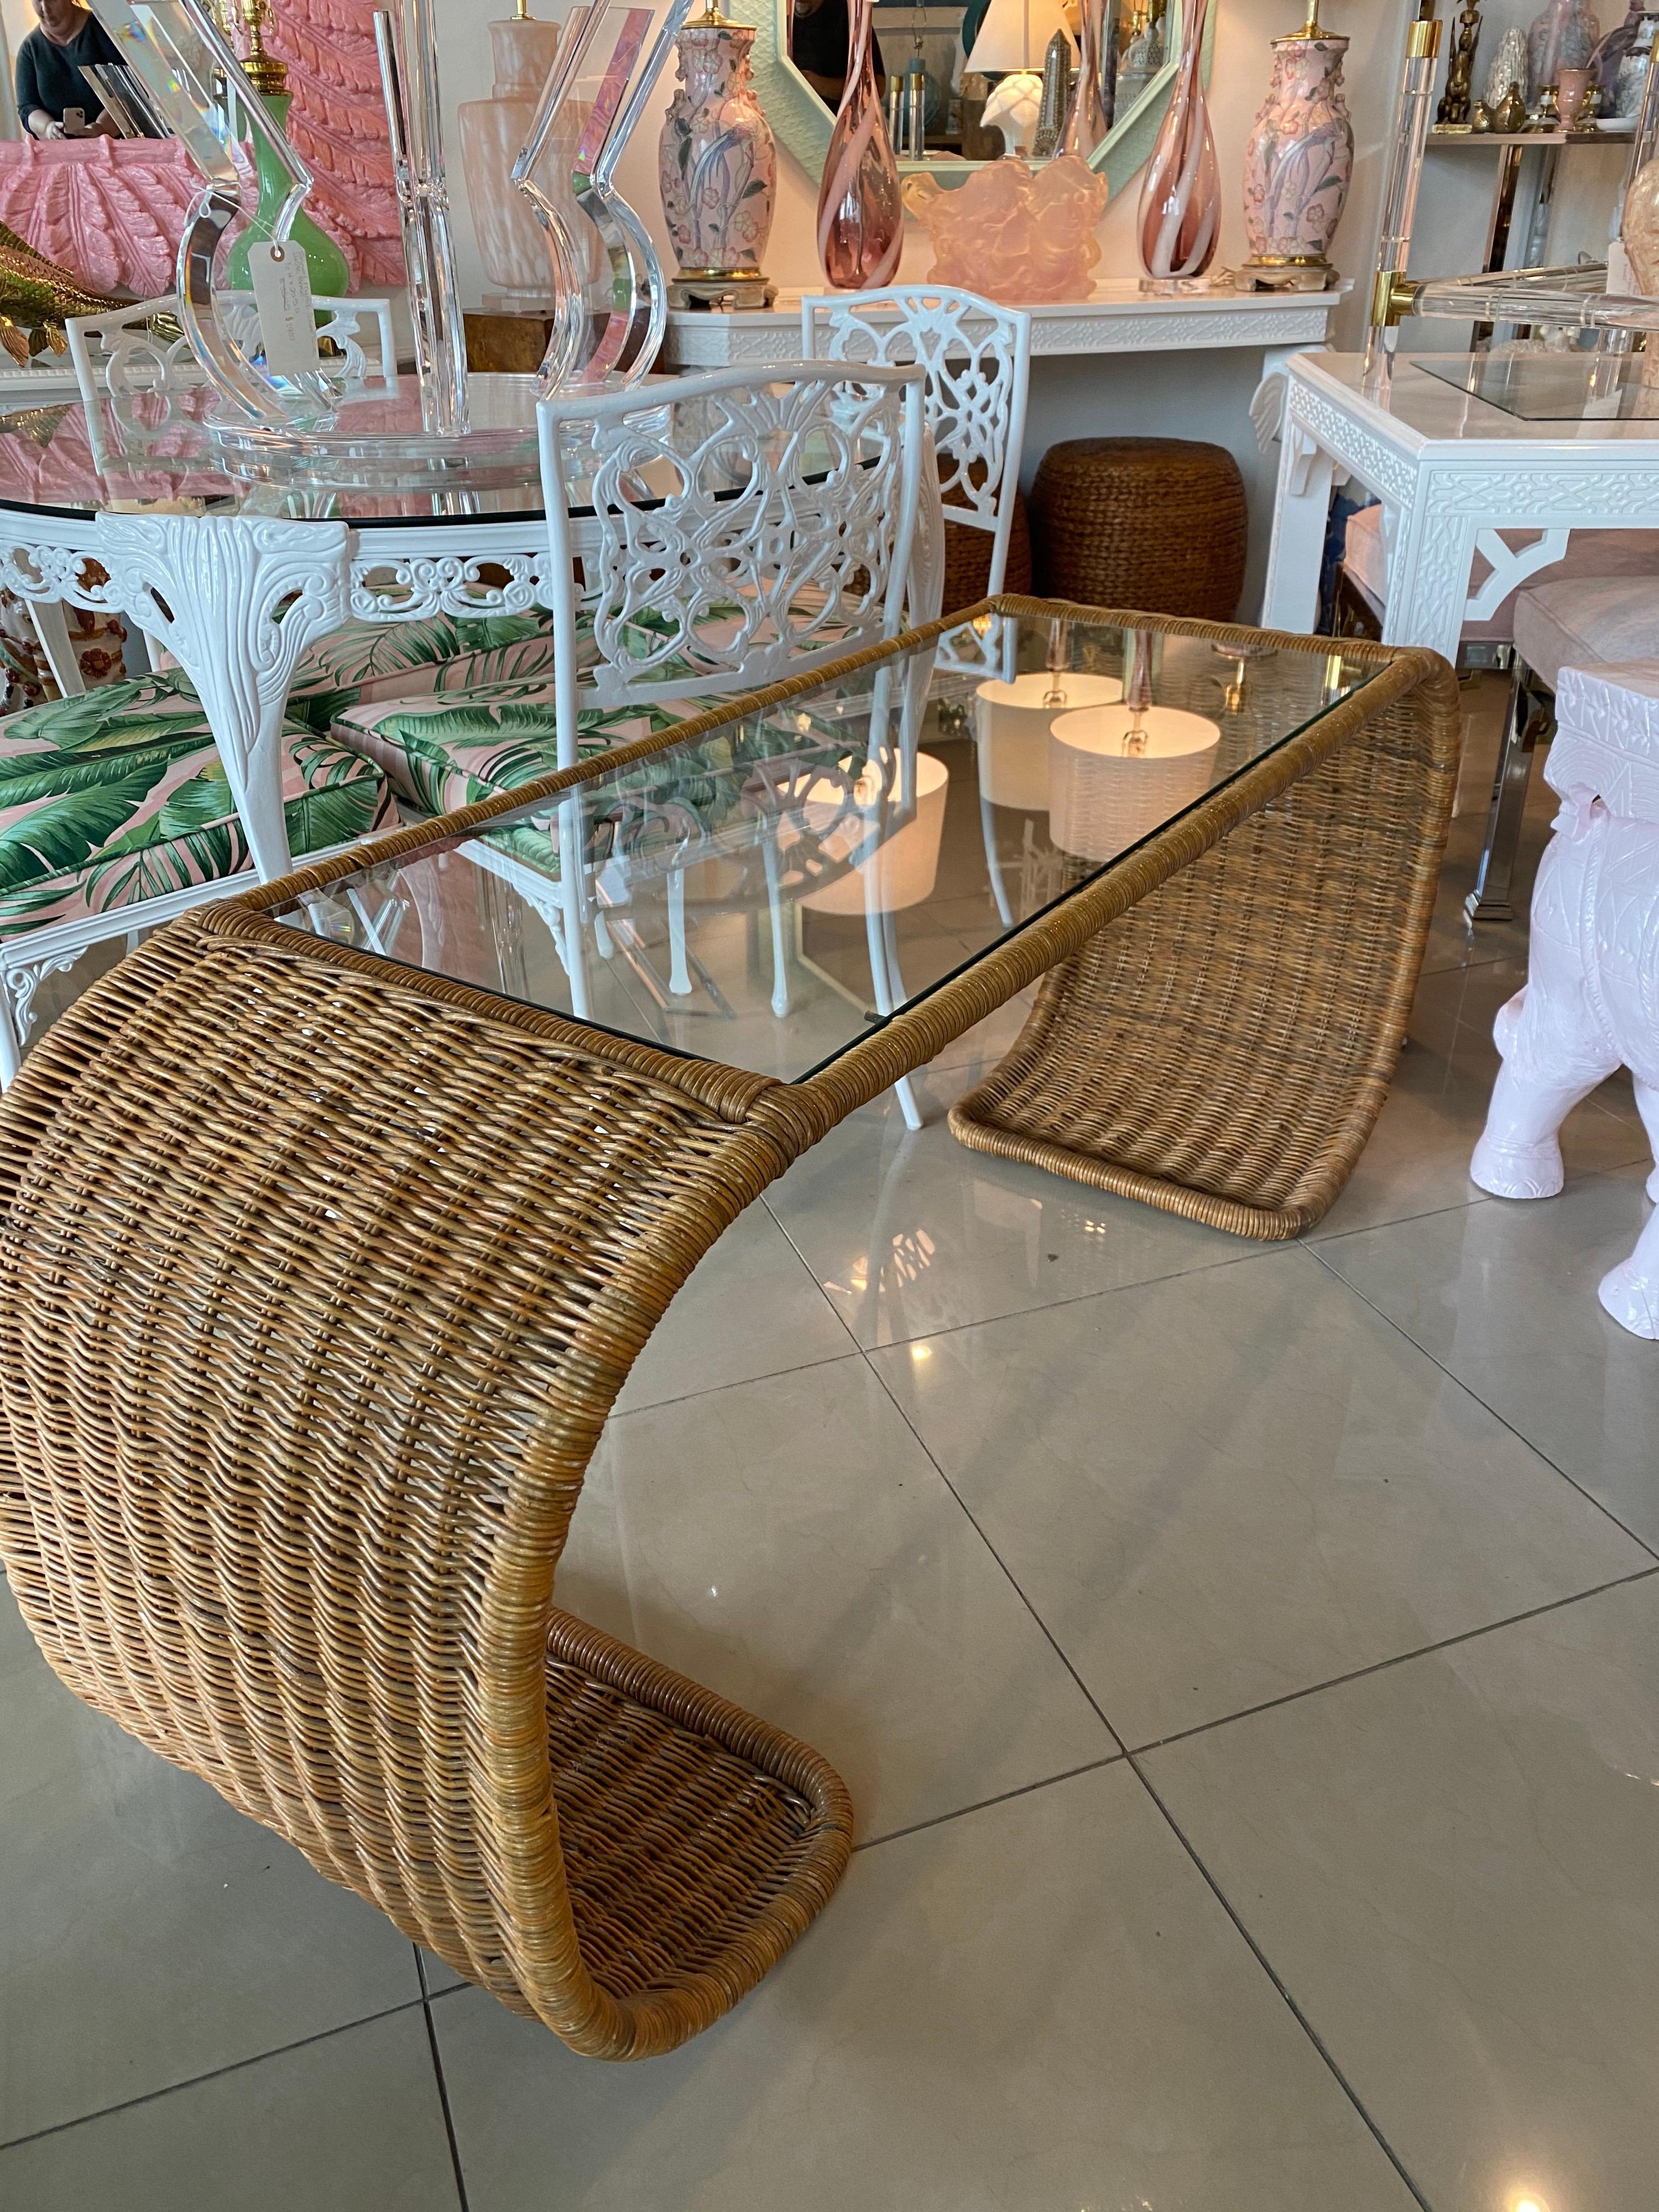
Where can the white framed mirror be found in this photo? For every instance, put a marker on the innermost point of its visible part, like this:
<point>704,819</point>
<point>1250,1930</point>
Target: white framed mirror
<point>801,116</point>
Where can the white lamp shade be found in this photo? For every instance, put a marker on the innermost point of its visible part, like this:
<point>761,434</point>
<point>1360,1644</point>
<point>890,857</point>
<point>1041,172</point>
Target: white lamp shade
<point>1015,35</point>
<point>901,870</point>
<point>1011,724</point>
<point>1101,800</point>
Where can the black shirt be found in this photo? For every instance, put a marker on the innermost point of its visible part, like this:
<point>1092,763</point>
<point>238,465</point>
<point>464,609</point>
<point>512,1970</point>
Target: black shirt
<point>50,76</point>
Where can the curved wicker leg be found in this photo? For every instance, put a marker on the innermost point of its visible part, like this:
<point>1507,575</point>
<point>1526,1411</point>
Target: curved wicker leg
<point>1223,1048</point>
<point>320,1279</point>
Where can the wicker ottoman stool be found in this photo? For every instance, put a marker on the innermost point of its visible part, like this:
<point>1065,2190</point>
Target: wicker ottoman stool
<point>1153,523</point>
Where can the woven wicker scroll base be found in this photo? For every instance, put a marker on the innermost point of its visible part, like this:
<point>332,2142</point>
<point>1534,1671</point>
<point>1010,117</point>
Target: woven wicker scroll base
<point>1223,1049</point>
<point>319,1277</point>
<point>317,1283</point>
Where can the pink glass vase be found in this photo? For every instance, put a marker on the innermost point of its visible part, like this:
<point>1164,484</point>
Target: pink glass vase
<point>1179,220</point>
<point>860,215</point>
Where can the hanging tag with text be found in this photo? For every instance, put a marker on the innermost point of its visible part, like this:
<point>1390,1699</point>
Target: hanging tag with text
<point>281,299</point>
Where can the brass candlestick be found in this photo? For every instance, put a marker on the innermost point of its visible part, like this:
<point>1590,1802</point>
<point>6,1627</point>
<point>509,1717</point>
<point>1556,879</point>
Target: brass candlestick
<point>267,76</point>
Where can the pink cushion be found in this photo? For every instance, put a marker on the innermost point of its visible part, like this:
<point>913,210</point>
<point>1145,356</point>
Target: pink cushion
<point>1589,553</point>
<point>1581,622</point>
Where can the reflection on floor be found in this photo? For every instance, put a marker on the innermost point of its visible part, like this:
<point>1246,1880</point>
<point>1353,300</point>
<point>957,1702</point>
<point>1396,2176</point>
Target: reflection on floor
<point>1245,1663</point>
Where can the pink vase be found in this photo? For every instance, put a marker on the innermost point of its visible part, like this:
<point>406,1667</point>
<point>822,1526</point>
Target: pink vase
<point>1179,218</point>
<point>861,216</point>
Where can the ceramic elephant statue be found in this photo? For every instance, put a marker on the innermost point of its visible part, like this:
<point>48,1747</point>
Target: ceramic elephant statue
<point>1590,1005</point>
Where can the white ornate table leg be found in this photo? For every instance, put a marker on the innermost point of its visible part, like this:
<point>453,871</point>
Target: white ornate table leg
<point>211,589</point>
<point>1302,507</point>
<point>1429,574</point>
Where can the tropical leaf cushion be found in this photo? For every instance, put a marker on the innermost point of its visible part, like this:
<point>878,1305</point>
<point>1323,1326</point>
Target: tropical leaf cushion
<point>374,660</point>
<point>442,753</point>
<point>445,752</point>
<point>119,796</point>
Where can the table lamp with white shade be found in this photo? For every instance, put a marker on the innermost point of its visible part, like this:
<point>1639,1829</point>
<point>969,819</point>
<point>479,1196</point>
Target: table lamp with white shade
<point>1011,43</point>
<point>1115,774</point>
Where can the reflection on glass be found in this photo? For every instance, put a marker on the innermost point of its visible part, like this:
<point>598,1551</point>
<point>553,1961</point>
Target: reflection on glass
<point>764,894</point>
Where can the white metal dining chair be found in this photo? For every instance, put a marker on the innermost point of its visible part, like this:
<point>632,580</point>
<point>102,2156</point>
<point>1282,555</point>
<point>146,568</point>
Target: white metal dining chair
<point>977,359</point>
<point>730,529</point>
<point>782,540</point>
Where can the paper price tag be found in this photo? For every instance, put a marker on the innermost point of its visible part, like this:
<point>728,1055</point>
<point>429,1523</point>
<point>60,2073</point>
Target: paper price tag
<point>281,299</point>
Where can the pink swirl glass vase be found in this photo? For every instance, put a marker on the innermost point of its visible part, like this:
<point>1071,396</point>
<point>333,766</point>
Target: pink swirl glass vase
<point>1179,220</point>
<point>860,215</point>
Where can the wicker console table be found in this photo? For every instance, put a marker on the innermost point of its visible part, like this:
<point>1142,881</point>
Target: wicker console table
<point>328,1244</point>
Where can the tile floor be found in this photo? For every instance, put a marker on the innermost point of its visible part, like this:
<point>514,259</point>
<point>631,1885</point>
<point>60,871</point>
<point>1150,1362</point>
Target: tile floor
<point>1245,1662</point>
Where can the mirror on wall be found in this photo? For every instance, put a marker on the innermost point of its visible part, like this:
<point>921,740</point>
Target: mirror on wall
<point>799,62</point>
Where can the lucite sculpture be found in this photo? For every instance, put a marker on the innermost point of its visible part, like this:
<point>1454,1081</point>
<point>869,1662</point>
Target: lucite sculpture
<point>409,75</point>
<point>176,50</point>
<point>609,332</point>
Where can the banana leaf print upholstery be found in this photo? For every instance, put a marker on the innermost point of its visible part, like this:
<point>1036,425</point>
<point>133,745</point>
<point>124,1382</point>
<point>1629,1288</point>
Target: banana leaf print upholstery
<point>446,751</point>
<point>120,796</point>
<point>376,660</point>
<point>484,735</point>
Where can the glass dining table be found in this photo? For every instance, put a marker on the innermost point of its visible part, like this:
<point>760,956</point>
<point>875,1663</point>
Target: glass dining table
<point>820,885</point>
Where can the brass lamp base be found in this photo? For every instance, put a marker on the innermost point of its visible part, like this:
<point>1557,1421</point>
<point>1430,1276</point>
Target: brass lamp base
<point>731,289</point>
<point>1288,272</point>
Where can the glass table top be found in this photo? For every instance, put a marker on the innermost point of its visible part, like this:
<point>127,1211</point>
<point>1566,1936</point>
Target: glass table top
<point>765,894</point>
<point>1555,387</point>
<point>56,458</point>
<point>1428,397</point>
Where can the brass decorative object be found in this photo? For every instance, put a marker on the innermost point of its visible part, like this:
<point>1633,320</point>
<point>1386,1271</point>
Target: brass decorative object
<point>35,297</point>
<point>1453,112</point>
<point>267,76</point>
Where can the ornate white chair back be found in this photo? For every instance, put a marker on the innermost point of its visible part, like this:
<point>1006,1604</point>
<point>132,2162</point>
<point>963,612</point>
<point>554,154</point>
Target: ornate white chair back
<point>977,359</point>
<point>746,528</point>
<point>121,356</point>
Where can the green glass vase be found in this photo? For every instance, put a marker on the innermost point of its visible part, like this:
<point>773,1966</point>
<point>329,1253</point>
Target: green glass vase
<point>330,278</point>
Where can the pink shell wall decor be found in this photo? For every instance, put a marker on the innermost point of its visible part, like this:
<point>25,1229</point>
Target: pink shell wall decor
<point>112,209</point>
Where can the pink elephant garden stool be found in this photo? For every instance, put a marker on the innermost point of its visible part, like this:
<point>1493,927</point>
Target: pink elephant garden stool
<point>1591,1001</point>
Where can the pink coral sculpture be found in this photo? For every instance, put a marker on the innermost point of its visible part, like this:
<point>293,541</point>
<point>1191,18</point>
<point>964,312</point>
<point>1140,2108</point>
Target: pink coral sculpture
<point>337,125</point>
<point>1020,235</point>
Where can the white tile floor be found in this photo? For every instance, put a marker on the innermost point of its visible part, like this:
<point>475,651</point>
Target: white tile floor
<point>1245,1663</point>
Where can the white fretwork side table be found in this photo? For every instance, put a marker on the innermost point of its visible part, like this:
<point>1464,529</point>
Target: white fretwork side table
<point>1452,471</point>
